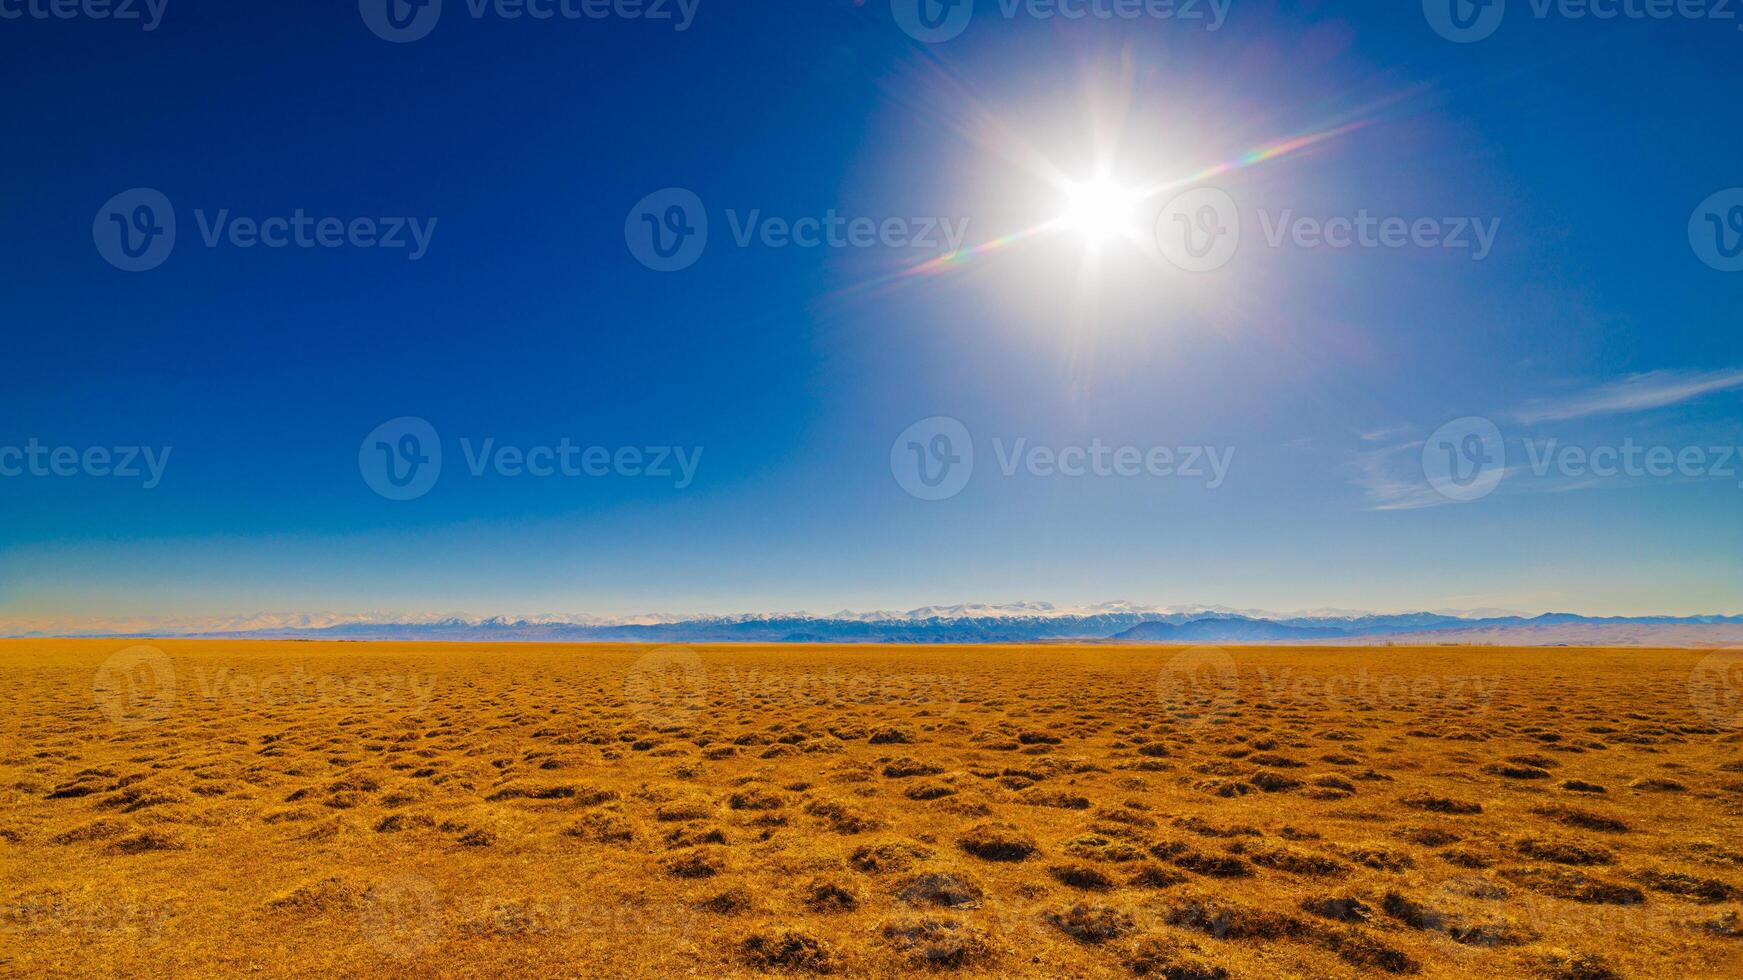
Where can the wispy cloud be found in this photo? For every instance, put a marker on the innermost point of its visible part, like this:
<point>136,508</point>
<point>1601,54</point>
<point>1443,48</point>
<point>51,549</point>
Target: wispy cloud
<point>1390,474</point>
<point>1391,478</point>
<point>1386,491</point>
<point>1385,432</point>
<point>1637,393</point>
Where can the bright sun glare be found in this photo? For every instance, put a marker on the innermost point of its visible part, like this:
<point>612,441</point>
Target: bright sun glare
<point>1099,210</point>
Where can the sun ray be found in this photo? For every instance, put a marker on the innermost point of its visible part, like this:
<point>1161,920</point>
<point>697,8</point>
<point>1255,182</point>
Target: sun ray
<point>973,119</point>
<point>1253,157</point>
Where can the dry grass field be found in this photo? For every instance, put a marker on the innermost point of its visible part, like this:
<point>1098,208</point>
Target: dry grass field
<point>274,809</point>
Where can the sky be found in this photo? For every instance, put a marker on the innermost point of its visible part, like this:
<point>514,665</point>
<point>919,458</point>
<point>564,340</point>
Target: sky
<point>1468,405</point>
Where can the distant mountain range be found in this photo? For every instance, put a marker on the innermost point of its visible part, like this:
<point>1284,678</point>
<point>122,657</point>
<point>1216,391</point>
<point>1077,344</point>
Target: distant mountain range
<point>1119,622</point>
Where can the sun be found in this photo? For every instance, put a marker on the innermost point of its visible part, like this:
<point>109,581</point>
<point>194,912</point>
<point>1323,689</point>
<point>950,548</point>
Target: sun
<point>1099,210</point>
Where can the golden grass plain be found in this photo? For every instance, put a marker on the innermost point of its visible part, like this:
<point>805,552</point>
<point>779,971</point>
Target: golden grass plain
<point>206,808</point>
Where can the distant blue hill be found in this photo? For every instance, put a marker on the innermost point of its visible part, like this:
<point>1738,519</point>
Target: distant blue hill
<point>1118,627</point>
<point>1229,630</point>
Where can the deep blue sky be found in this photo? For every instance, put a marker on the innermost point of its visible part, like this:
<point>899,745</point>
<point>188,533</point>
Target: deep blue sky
<point>529,321</point>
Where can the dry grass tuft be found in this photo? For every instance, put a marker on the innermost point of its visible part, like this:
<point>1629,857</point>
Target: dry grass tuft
<point>997,842</point>
<point>1092,924</point>
<point>789,950</point>
<point>942,944</point>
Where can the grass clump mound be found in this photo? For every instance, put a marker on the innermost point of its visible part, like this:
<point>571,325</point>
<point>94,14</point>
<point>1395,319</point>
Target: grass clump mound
<point>939,944</point>
<point>997,842</point>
